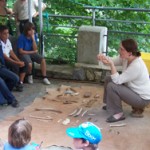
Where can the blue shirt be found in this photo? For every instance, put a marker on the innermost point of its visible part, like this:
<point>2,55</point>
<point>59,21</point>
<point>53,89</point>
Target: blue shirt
<point>2,61</point>
<point>25,43</point>
<point>7,146</point>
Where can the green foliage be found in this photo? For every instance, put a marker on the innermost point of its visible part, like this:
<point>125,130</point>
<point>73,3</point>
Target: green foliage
<point>64,47</point>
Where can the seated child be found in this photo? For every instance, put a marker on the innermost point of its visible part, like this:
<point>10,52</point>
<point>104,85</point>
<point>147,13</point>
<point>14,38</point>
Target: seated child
<point>19,136</point>
<point>86,136</point>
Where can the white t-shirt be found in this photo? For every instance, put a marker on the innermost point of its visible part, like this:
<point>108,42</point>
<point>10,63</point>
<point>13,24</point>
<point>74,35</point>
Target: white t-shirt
<point>6,47</point>
<point>21,8</point>
<point>135,76</point>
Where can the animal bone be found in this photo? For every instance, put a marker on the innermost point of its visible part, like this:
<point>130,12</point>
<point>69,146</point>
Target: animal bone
<point>84,113</point>
<point>78,113</point>
<point>48,109</point>
<point>66,121</point>
<point>75,111</point>
<point>44,118</point>
<point>118,125</point>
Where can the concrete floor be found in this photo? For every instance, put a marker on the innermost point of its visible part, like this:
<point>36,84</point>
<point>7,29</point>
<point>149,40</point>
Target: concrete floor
<point>134,136</point>
<point>31,91</point>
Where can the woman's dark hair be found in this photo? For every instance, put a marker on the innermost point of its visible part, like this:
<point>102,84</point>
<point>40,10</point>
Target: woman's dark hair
<point>131,46</point>
<point>19,133</point>
<point>28,26</point>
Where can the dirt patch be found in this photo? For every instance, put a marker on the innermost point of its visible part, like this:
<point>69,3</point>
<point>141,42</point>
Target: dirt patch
<point>68,106</point>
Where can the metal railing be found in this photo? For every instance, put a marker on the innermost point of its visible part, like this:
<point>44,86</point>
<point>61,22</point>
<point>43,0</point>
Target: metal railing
<point>95,20</point>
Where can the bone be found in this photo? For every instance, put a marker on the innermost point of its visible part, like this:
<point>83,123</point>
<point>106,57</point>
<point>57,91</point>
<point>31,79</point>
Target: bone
<point>66,121</point>
<point>42,118</point>
<point>48,109</point>
<point>78,113</point>
<point>84,113</point>
<point>75,111</point>
<point>118,125</point>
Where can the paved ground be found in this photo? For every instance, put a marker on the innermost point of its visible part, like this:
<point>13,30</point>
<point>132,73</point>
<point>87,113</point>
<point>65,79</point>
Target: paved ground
<point>25,98</point>
<point>134,136</point>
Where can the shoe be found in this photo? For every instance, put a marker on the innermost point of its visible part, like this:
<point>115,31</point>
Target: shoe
<point>104,107</point>
<point>30,79</point>
<point>137,112</point>
<point>46,81</point>
<point>15,104</point>
<point>112,119</point>
<point>19,87</point>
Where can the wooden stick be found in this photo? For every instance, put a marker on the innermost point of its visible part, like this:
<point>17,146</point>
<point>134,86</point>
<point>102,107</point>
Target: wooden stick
<point>48,109</point>
<point>43,118</point>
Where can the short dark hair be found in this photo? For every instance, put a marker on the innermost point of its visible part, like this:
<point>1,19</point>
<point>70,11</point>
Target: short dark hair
<point>131,46</point>
<point>28,26</point>
<point>19,133</point>
<point>3,27</point>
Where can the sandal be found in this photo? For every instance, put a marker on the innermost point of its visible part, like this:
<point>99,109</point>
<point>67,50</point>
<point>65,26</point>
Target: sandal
<point>113,119</point>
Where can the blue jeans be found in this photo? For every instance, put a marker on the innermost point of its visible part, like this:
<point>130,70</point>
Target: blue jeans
<point>5,94</point>
<point>10,78</point>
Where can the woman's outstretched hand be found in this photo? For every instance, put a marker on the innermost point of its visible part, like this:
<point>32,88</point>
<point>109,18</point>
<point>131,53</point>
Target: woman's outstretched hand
<point>104,59</point>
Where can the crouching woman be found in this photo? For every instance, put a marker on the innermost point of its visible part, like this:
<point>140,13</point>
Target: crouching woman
<point>131,86</point>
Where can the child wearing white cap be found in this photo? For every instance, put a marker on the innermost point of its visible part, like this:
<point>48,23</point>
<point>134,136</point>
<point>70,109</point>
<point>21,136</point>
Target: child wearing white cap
<point>86,136</point>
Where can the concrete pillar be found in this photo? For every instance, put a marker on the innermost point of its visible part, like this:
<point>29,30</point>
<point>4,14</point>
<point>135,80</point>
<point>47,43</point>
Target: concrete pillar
<point>92,40</point>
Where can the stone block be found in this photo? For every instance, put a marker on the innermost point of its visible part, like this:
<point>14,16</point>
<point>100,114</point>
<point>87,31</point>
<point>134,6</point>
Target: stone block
<point>92,40</point>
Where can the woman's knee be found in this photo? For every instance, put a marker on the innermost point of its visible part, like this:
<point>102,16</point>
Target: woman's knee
<point>111,86</point>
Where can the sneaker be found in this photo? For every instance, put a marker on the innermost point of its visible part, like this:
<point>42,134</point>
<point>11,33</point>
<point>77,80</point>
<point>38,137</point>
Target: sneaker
<point>15,104</point>
<point>30,79</point>
<point>46,81</point>
<point>19,87</point>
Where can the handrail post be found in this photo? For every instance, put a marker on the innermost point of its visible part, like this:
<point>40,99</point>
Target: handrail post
<point>93,17</point>
<point>29,10</point>
<point>41,28</point>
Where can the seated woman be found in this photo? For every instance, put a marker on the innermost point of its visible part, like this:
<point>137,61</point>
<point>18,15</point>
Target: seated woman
<point>131,86</point>
<point>29,52</point>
